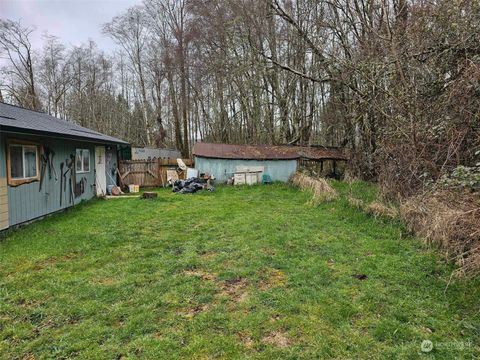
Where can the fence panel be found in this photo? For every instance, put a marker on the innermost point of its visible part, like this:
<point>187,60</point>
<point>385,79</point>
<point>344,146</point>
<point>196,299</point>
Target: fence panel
<point>148,173</point>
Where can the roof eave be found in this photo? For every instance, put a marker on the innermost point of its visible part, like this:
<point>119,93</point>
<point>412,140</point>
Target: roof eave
<point>60,135</point>
<point>246,158</point>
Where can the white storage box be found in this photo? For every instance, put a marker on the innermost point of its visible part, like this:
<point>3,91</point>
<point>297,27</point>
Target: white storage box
<point>239,179</point>
<point>133,188</point>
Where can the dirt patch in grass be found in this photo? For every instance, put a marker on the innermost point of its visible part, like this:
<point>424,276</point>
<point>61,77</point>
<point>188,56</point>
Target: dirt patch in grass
<point>275,317</point>
<point>203,275</point>
<point>42,264</point>
<point>51,261</point>
<point>273,278</point>
<point>119,324</point>
<point>277,339</point>
<point>269,251</point>
<point>28,304</point>
<point>194,311</point>
<point>246,340</point>
<point>234,289</point>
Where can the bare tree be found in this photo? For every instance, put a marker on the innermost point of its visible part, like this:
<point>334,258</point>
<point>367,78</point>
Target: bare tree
<point>16,49</point>
<point>131,32</point>
<point>54,75</point>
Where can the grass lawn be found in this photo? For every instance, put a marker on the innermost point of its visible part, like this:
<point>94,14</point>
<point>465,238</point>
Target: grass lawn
<point>241,272</point>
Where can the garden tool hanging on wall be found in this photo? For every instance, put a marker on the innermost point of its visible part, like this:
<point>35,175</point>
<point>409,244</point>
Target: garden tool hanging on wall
<point>61,182</point>
<point>46,161</point>
<point>43,166</point>
<point>50,154</point>
<point>70,164</point>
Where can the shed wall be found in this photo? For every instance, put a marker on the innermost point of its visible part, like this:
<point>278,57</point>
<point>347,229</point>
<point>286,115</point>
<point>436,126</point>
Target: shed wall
<point>27,202</point>
<point>149,153</point>
<point>279,170</point>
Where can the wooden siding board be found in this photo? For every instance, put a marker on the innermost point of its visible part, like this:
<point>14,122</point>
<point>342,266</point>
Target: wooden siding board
<point>3,224</point>
<point>3,187</point>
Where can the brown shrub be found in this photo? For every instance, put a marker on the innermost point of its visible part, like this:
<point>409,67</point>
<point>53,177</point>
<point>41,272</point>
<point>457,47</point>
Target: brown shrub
<point>320,188</point>
<point>452,221</point>
<point>356,203</point>
<point>378,209</point>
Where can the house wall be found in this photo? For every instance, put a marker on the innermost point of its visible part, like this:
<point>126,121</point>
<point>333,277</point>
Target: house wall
<point>3,188</point>
<point>279,170</point>
<point>27,202</point>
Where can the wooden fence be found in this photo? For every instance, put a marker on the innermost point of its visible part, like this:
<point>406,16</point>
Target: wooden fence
<point>148,173</point>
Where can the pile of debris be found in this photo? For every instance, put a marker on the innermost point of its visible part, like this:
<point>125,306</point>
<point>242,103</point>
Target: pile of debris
<point>191,185</point>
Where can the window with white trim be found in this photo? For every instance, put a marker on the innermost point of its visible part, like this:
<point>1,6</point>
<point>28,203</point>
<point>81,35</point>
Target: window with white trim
<point>23,161</point>
<point>82,161</point>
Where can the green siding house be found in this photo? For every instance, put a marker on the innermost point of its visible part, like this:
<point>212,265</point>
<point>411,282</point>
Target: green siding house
<point>48,164</point>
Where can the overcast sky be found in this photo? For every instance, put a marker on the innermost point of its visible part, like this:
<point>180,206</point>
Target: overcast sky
<point>73,21</point>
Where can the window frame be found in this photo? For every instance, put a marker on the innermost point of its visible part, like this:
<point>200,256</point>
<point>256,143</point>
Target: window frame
<point>82,171</point>
<point>23,180</point>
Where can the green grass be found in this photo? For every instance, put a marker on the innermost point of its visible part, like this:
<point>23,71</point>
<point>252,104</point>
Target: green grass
<point>241,272</point>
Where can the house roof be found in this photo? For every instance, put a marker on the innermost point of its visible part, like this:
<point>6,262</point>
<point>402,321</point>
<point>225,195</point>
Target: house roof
<point>266,152</point>
<point>14,118</point>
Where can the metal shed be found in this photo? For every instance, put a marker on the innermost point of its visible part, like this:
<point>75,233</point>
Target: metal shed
<point>36,150</point>
<point>278,161</point>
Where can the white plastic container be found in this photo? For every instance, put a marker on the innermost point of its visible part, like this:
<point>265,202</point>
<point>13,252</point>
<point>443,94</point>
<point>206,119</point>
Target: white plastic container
<point>192,173</point>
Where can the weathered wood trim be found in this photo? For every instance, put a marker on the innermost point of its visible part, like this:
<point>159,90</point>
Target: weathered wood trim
<point>3,187</point>
<point>18,182</point>
<point>3,224</point>
<point>3,208</point>
<point>3,204</point>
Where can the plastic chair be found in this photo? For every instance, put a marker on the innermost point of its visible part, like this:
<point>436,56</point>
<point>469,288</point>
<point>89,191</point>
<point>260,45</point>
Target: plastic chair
<point>266,179</point>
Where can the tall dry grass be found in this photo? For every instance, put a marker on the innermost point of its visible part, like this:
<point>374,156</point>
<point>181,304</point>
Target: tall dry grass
<point>452,221</point>
<point>320,188</point>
